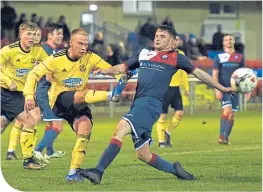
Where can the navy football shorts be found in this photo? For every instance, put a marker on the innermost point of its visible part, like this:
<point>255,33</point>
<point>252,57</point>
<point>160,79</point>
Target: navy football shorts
<point>12,104</point>
<point>66,109</point>
<point>143,113</point>
<point>230,100</point>
<point>172,97</point>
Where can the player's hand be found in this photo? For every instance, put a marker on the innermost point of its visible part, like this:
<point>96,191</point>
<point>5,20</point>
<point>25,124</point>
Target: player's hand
<point>186,93</point>
<point>98,71</point>
<point>229,90</point>
<point>29,105</point>
<point>219,95</point>
<point>12,87</point>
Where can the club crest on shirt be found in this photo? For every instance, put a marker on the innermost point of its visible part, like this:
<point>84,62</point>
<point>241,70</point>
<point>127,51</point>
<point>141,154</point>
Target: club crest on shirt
<point>82,68</point>
<point>34,62</point>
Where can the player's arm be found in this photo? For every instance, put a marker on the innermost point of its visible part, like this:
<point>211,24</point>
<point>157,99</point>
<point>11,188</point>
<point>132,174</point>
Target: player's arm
<point>4,60</point>
<point>131,64</point>
<point>35,75</point>
<point>186,65</point>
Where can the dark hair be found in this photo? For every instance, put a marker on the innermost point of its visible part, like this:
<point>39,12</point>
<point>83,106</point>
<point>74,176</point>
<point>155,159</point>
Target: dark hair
<point>169,29</point>
<point>53,26</point>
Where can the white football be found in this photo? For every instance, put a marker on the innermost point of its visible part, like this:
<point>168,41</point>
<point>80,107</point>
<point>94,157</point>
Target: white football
<point>244,80</point>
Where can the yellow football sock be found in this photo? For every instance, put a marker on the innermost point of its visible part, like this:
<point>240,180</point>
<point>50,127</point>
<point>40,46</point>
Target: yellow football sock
<point>26,141</point>
<point>79,152</point>
<point>14,136</point>
<point>93,96</point>
<point>175,122</point>
<point>160,130</point>
<point>35,136</point>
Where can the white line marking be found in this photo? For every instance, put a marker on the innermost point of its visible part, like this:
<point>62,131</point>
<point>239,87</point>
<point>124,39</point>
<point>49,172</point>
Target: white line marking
<point>213,150</point>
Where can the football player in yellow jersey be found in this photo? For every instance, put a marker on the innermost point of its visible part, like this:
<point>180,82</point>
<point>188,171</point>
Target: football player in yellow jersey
<point>17,60</point>
<point>173,98</point>
<point>68,95</point>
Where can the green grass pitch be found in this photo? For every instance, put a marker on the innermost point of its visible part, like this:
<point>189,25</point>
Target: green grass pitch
<point>236,167</point>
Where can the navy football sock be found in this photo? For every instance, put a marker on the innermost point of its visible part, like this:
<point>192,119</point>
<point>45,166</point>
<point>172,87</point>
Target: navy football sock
<point>109,154</point>
<point>229,127</point>
<point>158,163</point>
<point>47,140</point>
<point>223,124</point>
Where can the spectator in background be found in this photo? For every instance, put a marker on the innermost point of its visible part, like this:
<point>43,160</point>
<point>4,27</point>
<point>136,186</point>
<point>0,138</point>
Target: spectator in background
<point>218,39</point>
<point>202,47</point>
<point>183,42</point>
<point>113,55</point>
<point>97,45</point>
<point>168,21</point>
<point>123,54</point>
<point>20,21</point>
<point>49,20</point>
<point>193,50</point>
<point>239,46</point>
<point>147,33</point>
<point>8,21</point>
<point>41,24</point>
<point>66,31</point>
<point>34,18</point>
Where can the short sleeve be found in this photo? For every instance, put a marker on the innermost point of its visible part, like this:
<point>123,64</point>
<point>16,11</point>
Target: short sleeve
<point>43,55</point>
<point>98,62</point>
<point>184,64</point>
<point>216,62</point>
<point>5,55</point>
<point>133,62</point>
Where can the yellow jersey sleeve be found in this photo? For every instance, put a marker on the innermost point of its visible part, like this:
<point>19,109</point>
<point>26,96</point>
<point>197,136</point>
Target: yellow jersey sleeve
<point>185,80</point>
<point>43,55</point>
<point>4,60</point>
<point>35,75</point>
<point>100,63</point>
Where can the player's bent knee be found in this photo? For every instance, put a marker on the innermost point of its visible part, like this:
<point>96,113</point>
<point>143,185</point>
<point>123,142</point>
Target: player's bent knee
<point>123,129</point>
<point>179,114</point>
<point>83,126</point>
<point>79,97</point>
<point>4,124</point>
<point>145,157</point>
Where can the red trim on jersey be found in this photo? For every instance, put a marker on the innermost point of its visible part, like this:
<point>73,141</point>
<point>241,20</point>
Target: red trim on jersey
<point>116,142</point>
<point>235,57</point>
<point>165,57</point>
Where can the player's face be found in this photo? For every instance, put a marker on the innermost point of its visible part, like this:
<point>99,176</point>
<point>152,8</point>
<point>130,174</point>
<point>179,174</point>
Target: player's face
<point>38,36</point>
<point>28,37</point>
<point>228,41</point>
<point>57,36</point>
<point>163,40</point>
<point>176,42</point>
<point>79,45</point>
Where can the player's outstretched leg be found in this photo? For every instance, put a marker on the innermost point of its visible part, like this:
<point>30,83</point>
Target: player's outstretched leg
<point>82,127</point>
<point>95,174</point>
<point>14,139</point>
<point>157,162</point>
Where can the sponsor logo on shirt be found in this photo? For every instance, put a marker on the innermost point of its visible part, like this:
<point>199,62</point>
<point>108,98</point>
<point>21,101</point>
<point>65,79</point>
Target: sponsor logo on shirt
<point>73,82</point>
<point>22,72</point>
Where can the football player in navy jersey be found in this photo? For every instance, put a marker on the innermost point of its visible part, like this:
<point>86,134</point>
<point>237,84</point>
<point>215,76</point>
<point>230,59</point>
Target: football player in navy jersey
<point>224,65</point>
<point>157,66</point>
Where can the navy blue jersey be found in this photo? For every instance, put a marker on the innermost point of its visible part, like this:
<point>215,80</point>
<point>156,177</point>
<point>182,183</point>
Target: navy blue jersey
<point>49,50</point>
<point>226,64</point>
<point>156,70</point>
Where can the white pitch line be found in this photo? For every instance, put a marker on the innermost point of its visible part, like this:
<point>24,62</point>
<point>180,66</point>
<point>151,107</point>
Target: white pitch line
<point>181,153</point>
<point>212,150</point>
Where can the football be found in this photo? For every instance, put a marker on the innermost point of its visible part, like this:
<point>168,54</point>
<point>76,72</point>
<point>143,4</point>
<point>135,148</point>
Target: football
<point>244,80</point>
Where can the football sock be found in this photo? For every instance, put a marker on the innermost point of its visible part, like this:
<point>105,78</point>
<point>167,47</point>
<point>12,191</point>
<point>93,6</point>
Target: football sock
<point>160,130</point>
<point>26,141</point>
<point>229,127</point>
<point>175,122</point>
<point>14,137</point>
<point>223,124</point>
<point>93,96</point>
<point>79,152</point>
<point>47,140</point>
<point>158,163</point>
<point>109,154</point>
<point>35,136</point>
